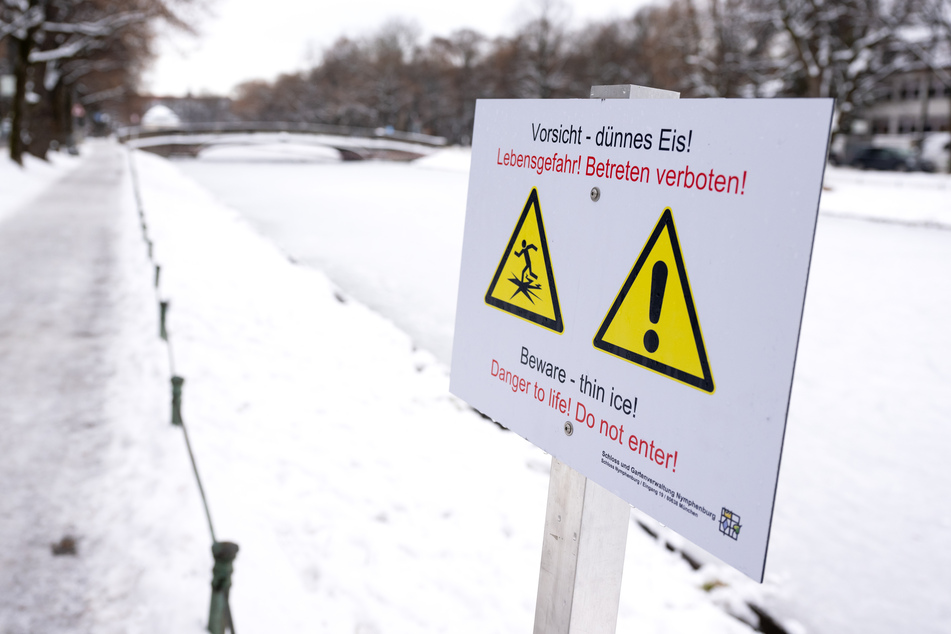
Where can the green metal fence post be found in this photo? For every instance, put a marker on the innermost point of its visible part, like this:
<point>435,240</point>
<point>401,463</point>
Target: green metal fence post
<point>177,382</point>
<point>163,310</point>
<point>219,614</point>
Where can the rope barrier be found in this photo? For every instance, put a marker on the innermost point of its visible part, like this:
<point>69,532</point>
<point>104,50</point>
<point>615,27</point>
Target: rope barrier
<point>223,553</point>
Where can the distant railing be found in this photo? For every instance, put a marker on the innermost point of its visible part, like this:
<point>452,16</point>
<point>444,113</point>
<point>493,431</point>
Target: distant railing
<point>249,127</point>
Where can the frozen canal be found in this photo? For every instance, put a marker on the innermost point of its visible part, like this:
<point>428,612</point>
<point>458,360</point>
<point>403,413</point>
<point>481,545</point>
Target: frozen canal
<point>389,234</point>
<point>859,541</point>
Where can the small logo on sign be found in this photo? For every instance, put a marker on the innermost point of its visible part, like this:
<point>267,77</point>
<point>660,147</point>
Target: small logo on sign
<point>729,523</point>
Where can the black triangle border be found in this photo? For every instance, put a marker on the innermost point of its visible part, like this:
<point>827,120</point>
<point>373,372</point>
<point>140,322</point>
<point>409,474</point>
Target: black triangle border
<point>705,382</point>
<point>556,324</point>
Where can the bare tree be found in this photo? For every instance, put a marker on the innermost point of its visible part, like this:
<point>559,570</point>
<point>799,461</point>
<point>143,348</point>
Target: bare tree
<point>703,48</point>
<point>57,42</point>
<point>391,51</point>
<point>607,53</point>
<point>541,45</point>
<point>838,48</point>
<point>733,56</point>
<point>344,78</point>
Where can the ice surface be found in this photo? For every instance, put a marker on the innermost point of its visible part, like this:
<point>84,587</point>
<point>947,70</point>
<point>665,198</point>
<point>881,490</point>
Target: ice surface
<point>888,196</point>
<point>361,223</point>
<point>860,532</point>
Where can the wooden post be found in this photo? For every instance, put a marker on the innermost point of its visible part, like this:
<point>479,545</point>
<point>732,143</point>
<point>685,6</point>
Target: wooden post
<point>579,581</point>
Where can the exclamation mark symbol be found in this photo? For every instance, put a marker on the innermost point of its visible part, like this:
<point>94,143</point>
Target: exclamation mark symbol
<point>658,286</point>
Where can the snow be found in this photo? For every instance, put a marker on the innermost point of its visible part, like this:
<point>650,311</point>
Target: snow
<point>860,533</point>
<point>453,159</point>
<point>892,197</point>
<point>402,219</point>
<point>19,184</point>
<point>160,116</point>
<point>365,498</point>
<point>272,152</point>
<point>857,523</point>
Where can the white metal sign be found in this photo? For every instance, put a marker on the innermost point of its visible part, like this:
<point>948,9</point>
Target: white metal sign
<point>631,291</point>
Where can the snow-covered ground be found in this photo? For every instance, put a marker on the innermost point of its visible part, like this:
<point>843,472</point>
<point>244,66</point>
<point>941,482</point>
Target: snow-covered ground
<point>894,197</point>
<point>20,184</point>
<point>859,534</point>
<point>366,499</point>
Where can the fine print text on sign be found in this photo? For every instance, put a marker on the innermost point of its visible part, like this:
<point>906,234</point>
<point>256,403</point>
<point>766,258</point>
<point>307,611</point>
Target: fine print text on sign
<point>634,273</point>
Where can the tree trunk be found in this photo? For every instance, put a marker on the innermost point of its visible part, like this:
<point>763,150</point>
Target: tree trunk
<point>949,130</point>
<point>21,66</point>
<point>69,121</point>
<point>61,117</point>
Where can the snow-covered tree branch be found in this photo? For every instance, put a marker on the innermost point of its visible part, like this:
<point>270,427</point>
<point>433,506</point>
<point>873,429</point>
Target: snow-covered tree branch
<point>54,42</point>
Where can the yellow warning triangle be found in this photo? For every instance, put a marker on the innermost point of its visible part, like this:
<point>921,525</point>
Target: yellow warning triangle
<point>653,321</point>
<point>524,283</point>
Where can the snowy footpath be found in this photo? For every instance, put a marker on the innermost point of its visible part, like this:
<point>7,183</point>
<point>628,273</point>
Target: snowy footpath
<point>90,464</point>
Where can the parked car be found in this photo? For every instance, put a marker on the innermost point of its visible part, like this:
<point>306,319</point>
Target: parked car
<point>887,158</point>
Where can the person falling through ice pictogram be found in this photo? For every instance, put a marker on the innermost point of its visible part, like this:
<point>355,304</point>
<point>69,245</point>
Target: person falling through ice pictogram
<point>528,260</point>
<point>523,286</point>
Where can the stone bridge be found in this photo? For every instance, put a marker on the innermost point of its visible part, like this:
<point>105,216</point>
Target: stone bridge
<point>353,144</point>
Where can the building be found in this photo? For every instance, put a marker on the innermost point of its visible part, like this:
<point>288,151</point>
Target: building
<point>912,111</point>
<point>912,102</point>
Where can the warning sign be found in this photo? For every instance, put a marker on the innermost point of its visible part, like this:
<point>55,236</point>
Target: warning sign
<point>680,234</point>
<point>653,321</point>
<point>524,283</point>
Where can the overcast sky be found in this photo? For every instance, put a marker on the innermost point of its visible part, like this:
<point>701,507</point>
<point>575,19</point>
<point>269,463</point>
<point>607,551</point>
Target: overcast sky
<point>255,39</point>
